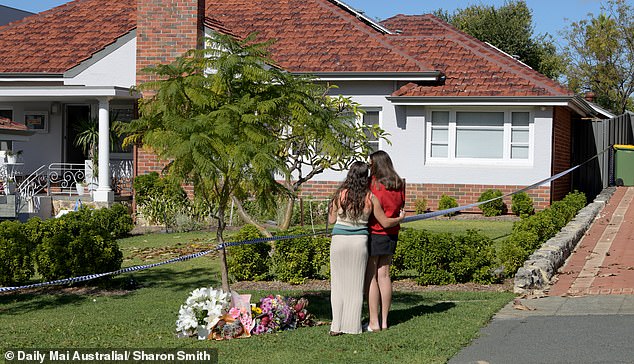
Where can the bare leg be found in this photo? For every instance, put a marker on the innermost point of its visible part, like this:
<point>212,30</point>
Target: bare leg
<point>373,293</point>
<point>385,287</point>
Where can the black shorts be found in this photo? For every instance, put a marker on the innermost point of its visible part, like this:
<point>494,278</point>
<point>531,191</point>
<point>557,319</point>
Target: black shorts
<point>382,244</point>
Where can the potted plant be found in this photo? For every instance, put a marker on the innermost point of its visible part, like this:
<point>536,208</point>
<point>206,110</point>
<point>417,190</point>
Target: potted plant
<point>12,157</point>
<point>88,140</point>
<point>81,187</point>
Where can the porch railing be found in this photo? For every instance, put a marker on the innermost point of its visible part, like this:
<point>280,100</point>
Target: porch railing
<point>62,179</point>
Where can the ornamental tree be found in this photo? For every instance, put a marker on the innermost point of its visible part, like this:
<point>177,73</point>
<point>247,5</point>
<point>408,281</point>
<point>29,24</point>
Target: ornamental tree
<point>600,52</point>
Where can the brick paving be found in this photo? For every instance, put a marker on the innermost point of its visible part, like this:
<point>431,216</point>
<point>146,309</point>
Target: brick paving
<point>603,262</point>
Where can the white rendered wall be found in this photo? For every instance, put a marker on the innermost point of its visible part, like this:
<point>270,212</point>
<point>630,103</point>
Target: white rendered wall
<point>118,68</point>
<point>406,128</point>
<point>42,148</point>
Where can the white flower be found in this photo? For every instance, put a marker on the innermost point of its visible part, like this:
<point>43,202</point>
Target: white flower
<point>203,308</point>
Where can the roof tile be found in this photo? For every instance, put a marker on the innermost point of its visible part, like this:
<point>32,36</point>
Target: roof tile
<point>471,67</point>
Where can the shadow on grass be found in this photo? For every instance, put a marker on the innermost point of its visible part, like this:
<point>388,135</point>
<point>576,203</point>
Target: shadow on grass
<point>404,315</point>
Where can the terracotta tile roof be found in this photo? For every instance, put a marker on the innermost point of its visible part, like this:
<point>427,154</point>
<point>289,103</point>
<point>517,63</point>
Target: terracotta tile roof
<point>8,124</point>
<point>58,39</point>
<point>471,67</point>
<point>315,36</point>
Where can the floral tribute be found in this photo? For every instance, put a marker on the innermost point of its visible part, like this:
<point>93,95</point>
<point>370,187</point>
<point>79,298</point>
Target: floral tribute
<point>214,314</point>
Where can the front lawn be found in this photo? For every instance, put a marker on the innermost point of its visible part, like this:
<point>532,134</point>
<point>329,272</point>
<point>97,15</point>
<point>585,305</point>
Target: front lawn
<point>139,310</point>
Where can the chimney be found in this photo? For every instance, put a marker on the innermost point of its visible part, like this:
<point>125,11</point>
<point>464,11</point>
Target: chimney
<point>165,30</point>
<point>590,96</point>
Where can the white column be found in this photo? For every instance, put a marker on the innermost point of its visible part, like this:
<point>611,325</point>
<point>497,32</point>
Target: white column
<point>104,193</point>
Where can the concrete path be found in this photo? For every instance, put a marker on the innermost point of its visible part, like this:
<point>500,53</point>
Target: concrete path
<point>588,313</point>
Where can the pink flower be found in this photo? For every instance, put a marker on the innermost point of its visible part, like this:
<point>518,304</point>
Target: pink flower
<point>234,312</point>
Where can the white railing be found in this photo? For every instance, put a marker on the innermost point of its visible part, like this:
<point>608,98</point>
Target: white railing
<point>62,179</point>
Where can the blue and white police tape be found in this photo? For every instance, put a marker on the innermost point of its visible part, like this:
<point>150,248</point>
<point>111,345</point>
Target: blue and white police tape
<point>429,215</point>
<point>147,266</point>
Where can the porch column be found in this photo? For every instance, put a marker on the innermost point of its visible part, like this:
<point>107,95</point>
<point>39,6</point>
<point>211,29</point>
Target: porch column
<point>104,193</point>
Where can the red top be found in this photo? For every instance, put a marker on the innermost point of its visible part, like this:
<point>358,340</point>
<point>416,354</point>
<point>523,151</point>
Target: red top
<point>392,201</point>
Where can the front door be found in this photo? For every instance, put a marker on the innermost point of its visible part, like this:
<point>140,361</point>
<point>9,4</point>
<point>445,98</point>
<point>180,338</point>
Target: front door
<point>74,115</point>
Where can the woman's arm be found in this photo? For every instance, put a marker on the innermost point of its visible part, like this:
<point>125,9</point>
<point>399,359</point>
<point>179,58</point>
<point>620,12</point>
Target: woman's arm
<point>379,214</point>
<point>333,207</point>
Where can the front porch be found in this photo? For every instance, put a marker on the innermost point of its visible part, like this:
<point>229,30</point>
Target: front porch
<point>63,186</point>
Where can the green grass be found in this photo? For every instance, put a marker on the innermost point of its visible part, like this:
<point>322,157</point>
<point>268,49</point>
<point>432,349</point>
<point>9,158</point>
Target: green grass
<point>496,230</point>
<point>425,327</point>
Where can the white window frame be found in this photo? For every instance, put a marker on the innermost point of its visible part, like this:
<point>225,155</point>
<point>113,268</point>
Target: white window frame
<point>507,144</point>
<point>379,110</point>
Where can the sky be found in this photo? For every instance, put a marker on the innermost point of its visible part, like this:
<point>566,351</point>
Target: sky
<point>549,16</point>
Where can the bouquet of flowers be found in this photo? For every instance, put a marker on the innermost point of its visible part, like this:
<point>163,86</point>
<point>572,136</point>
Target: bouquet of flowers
<point>213,314</point>
<point>276,315</point>
<point>201,312</point>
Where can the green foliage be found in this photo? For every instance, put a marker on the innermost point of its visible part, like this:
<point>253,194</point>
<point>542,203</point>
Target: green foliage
<point>443,258</point>
<point>420,205</point>
<point>522,204</point>
<point>75,245</point>
<point>249,261</point>
<point>509,28</point>
<point>493,208</point>
<point>298,259</point>
<point>16,254</point>
<point>116,220</point>
<point>447,202</point>
<point>600,55</point>
<point>516,249</point>
<point>163,201</point>
<point>532,231</point>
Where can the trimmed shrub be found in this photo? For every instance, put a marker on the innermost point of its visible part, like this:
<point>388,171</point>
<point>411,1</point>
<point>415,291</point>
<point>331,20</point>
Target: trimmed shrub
<point>298,259</point>
<point>443,258</point>
<point>16,254</point>
<point>447,202</point>
<point>532,231</point>
<point>321,259</point>
<point>492,208</point>
<point>115,220</point>
<point>522,204</point>
<point>249,261</point>
<point>516,249</point>
<point>74,245</point>
<point>420,205</point>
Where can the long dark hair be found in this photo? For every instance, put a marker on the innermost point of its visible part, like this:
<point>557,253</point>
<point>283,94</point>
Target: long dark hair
<point>382,169</point>
<point>356,187</point>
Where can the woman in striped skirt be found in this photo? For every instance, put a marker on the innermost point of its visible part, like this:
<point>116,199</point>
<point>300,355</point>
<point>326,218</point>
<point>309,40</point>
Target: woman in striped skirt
<point>349,211</point>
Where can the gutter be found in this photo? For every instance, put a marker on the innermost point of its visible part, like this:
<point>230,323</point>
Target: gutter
<point>577,103</point>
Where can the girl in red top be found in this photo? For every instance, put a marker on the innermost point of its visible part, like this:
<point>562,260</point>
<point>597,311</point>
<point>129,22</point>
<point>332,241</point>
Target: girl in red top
<point>389,188</point>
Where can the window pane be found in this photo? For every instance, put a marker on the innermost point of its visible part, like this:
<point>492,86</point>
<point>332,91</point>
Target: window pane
<point>371,118</point>
<point>482,119</point>
<point>519,136</point>
<point>519,152</point>
<point>6,113</point>
<point>439,135</point>
<point>519,119</point>
<point>440,118</point>
<point>439,151</point>
<point>479,143</point>
<point>374,146</point>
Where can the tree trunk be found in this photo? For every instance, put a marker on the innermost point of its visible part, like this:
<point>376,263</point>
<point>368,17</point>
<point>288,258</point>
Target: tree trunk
<point>288,214</point>
<point>224,271</point>
<point>248,219</point>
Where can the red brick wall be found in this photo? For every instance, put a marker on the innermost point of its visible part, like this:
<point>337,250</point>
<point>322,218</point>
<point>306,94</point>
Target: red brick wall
<point>165,30</point>
<point>562,152</point>
<point>463,193</point>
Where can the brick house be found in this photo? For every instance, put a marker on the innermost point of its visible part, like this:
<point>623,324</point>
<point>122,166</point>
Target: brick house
<point>463,116</point>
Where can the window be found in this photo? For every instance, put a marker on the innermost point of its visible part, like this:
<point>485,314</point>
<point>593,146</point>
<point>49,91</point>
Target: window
<point>520,135</point>
<point>464,135</point>
<point>371,118</point>
<point>479,134</point>
<point>6,113</point>
<point>440,134</point>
